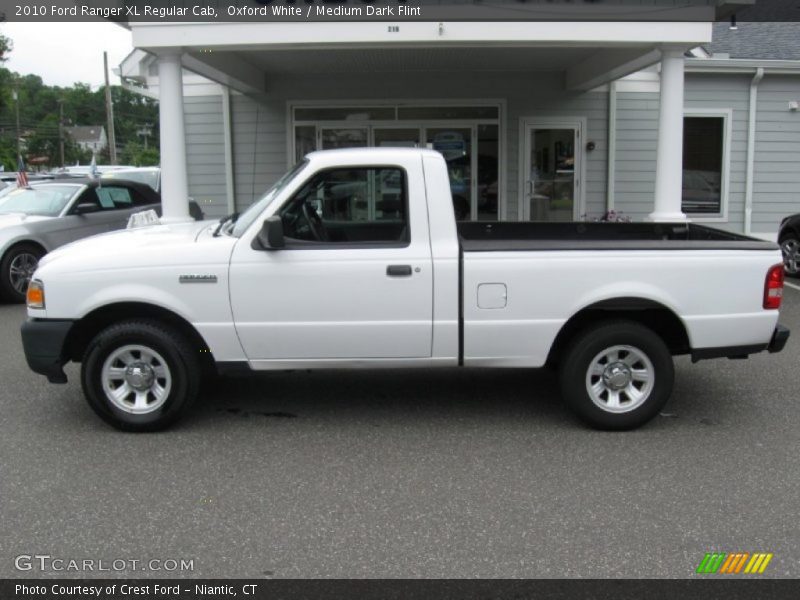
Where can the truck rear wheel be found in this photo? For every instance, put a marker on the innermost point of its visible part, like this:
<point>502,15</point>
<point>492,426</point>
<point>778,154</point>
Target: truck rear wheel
<point>140,375</point>
<point>617,375</point>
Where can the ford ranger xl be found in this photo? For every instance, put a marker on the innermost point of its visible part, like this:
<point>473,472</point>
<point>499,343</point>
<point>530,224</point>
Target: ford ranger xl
<point>354,259</point>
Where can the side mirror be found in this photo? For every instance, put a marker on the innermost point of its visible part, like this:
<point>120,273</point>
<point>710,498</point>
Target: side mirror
<point>270,237</point>
<point>85,207</point>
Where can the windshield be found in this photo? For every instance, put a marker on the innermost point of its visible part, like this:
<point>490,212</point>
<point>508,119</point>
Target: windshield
<point>147,177</point>
<point>6,191</point>
<point>248,216</point>
<point>42,200</point>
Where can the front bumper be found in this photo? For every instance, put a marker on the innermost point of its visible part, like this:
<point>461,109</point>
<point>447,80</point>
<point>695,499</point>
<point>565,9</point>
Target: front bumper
<point>44,344</point>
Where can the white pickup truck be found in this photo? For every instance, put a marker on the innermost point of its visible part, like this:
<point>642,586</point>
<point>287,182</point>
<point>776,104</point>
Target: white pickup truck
<point>354,260</point>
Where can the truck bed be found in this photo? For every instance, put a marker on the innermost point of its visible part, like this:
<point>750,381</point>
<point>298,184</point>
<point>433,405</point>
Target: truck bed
<point>497,236</point>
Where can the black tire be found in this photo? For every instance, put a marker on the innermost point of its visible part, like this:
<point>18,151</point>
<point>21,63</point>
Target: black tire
<point>790,249</point>
<point>163,343</point>
<point>638,401</point>
<point>29,254</point>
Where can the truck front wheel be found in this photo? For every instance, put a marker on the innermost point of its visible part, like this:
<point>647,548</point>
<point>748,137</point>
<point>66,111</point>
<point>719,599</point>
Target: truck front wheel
<point>617,375</point>
<point>140,375</point>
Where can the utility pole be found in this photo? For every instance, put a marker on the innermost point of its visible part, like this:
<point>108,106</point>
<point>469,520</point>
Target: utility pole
<point>61,130</point>
<point>112,143</point>
<point>145,133</point>
<point>15,94</point>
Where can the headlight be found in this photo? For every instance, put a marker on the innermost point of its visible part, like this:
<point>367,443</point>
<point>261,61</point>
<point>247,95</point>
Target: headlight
<point>35,295</point>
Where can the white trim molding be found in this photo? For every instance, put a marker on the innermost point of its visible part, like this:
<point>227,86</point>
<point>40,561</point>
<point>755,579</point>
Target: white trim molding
<point>251,35</point>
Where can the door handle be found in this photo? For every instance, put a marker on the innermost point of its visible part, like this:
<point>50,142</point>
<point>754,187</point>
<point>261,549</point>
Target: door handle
<point>398,271</point>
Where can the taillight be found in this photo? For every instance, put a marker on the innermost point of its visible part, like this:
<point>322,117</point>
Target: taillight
<point>773,287</point>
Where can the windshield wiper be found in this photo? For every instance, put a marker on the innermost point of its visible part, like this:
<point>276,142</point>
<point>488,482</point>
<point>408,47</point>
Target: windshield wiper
<point>231,217</point>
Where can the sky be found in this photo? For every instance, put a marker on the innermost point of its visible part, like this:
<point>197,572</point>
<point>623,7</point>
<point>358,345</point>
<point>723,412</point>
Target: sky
<point>66,53</point>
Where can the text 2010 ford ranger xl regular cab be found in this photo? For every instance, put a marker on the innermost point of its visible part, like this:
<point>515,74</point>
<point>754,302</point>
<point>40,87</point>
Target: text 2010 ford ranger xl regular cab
<point>354,259</point>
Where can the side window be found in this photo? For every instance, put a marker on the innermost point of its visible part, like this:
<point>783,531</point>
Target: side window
<point>142,199</point>
<point>350,206</point>
<point>89,196</point>
<point>113,197</point>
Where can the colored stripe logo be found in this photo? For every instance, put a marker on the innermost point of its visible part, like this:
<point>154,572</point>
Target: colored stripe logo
<point>734,563</point>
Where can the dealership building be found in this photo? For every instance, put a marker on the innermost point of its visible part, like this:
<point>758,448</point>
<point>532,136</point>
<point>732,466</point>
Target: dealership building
<point>545,121</point>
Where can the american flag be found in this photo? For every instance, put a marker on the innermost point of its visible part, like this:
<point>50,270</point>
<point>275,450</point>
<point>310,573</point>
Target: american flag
<point>93,173</point>
<point>22,176</point>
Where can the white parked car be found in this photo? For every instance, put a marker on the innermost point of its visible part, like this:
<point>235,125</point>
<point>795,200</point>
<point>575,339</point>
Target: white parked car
<point>148,311</point>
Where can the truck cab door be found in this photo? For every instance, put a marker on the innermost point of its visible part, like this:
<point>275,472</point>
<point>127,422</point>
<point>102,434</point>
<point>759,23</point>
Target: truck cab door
<point>354,279</point>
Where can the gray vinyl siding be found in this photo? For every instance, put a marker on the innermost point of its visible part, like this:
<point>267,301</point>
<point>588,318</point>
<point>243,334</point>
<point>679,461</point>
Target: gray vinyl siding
<point>260,137</point>
<point>776,180</point>
<point>776,177</point>
<point>637,139</point>
<point>205,153</point>
<point>259,146</point>
<point>635,162</point>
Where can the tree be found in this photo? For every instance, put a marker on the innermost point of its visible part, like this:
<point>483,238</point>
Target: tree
<point>6,46</point>
<point>134,153</point>
<point>39,106</point>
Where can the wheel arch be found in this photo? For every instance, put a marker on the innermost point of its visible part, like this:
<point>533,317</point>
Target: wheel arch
<point>24,242</point>
<point>654,315</point>
<point>9,284</point>
<point>98,319</point>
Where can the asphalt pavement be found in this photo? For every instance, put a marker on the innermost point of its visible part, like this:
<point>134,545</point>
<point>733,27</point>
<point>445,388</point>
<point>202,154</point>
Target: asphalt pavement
<point>440,474</point>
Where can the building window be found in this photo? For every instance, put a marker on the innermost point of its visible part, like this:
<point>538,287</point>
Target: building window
<point>467,136</point>
<point>705,164</point>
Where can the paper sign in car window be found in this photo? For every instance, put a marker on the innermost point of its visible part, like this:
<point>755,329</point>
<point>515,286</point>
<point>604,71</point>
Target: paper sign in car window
<point>113,197</point>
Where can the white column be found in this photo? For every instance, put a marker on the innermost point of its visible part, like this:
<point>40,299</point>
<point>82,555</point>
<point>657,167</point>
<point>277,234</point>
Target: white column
<point>669,156</point>
<point>174,180</point>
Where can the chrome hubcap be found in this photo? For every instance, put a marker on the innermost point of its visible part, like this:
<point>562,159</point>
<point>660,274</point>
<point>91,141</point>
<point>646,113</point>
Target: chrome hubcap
<point>620,379</point>
<point>136,379</point>
<point>791,255</point>
<point>140,376</point>
<point>617,376</point>
<point>21,271</point>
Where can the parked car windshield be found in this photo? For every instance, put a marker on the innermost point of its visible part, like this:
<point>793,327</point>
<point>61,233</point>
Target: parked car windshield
<point>251,213</point>
<point>7,190</point>
<point>145,176</point>
<point>42,200</point>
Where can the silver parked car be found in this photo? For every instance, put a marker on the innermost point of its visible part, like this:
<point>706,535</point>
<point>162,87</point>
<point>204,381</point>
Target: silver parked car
<point>149,175</point>
<point>49,214</point>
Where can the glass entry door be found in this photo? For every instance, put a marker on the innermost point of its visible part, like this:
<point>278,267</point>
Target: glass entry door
<point>552,164</point>
<point>471,152</point>
<point>396,137</point>
<point>455,145</point>
<point>344,137</point>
